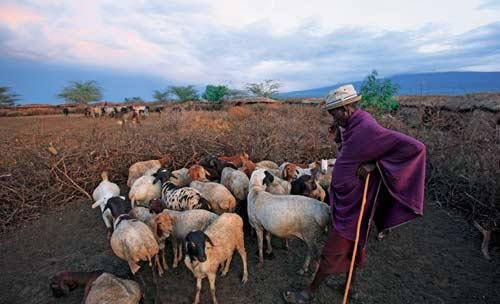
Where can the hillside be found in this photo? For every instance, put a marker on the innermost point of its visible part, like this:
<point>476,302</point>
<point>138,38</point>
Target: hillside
<point>446,83</point>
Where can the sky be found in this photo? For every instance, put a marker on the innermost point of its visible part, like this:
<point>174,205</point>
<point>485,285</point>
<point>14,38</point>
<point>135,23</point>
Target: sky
<point>134,47</point>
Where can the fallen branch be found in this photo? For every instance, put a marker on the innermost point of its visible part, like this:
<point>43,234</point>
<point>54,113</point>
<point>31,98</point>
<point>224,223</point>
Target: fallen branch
<point>485,247</point>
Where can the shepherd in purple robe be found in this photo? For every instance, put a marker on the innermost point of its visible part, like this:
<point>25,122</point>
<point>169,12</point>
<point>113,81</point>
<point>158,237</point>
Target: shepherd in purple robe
<point>395,195</point>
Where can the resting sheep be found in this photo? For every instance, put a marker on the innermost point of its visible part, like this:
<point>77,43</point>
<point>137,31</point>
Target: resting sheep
<point>141,168</point>
<point>101,194</point>
<point>285,216</point>
<point>206,251</point>
<point>176,198</point>
<point>198,173</point>
<point>181,177</point>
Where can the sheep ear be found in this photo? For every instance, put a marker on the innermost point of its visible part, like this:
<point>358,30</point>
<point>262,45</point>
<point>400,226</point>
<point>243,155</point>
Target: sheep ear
<point>207,238</point>
<point>156,179</point>
<point>206,172</point>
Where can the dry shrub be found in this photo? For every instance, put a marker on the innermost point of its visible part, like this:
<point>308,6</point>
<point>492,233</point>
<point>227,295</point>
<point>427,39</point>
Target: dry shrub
<point>240,112</point>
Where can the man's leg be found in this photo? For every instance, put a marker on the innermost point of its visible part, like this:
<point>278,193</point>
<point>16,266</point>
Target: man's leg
<point>307,294</point>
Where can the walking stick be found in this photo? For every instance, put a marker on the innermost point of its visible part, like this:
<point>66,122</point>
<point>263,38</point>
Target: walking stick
<point>353,260</point>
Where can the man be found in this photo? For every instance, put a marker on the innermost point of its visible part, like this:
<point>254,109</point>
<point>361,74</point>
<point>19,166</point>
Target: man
<point>395,191</point>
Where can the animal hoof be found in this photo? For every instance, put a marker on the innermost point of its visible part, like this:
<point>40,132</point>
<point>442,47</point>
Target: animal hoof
<point>269,256</point>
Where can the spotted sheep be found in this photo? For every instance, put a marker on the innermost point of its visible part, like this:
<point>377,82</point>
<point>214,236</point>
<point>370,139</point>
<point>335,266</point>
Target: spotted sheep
<point>176,198</point>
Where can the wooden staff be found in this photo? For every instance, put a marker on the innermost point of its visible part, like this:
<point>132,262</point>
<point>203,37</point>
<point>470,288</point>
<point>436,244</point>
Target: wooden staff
<point>358,229</point>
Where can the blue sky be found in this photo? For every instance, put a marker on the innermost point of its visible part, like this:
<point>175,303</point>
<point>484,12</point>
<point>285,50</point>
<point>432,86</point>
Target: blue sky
<point>134,47</point>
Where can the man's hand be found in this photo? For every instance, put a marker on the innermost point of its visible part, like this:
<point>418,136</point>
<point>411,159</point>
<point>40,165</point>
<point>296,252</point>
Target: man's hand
<point>335,132</point>
<point>364,169</point>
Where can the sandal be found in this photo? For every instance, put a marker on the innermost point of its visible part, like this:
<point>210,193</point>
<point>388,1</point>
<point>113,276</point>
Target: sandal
<point>297,297</point>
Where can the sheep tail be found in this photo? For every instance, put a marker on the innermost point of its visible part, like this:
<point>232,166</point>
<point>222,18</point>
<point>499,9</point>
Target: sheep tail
<point>104,176</point>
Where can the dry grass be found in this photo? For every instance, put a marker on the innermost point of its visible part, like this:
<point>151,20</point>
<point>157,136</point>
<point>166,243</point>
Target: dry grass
<point>463,152</point>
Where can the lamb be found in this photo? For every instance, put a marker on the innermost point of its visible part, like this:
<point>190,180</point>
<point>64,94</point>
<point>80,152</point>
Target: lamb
<point>100,287</point>
<point>143,190</point>
<point>198,173</point>
<point>159,224</point>
<point>181,177</point>
<point>176,198</point>
<point>236,181</point>
<point>218,196</point>
<point>223,236</point>
<point>149,167</point>
<point>285,216</point>
<point>101,194</point>
<point>270,166</point>
<point>185,222</point>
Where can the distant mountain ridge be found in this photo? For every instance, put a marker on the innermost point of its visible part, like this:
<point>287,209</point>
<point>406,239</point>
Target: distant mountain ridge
<point>442,83</point>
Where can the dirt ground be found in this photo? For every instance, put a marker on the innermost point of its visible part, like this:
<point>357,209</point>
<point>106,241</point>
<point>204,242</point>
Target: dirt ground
<point>435,259</point>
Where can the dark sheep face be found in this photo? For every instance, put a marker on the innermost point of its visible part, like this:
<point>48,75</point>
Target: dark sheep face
<point>268,178</point>
<point>195,245</point>
<point>163,174</point>
<point>58,286</point>
<point>117,206</point>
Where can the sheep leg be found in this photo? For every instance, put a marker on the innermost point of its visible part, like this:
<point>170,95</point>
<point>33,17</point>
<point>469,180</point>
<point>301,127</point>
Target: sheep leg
<point>485,246</point>
<point>164,259</point>
<point>198,289</point>
<point>155,280</point>
<point>260,238</point>
<point>158,265</point>
<point>175,248</point>
<point>226,267</point>
<point>243,255</point>
<point>269,249</point>
<point>211,280</point>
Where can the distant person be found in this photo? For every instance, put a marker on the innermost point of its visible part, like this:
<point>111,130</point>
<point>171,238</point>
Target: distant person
<point>65,111</point>
<point>395,194</point>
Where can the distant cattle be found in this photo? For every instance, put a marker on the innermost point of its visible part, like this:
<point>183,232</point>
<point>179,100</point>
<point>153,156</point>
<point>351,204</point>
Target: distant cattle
<point>65,111</point>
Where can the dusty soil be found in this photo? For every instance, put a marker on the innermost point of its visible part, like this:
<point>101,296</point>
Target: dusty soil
<point>432,260</point>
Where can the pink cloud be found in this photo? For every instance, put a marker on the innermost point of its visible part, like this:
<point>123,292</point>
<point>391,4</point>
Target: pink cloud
<point>14,15</point>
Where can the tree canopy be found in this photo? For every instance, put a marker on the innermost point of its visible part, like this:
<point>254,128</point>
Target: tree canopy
<point>7,98</point>
<point>184,93</point>
<point>82,92</point>
<point>379,93</point>
<point>267,88</point>
<point>215,93</point>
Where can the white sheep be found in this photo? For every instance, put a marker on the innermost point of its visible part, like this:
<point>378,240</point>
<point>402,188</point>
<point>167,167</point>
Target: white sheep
<point>266,164</point>
<point>110,289</point>
<point>218,196</point>
<point>285,216</point>
<point>104,191</point>
<point>206,251</point>
<point>143,190</point>
<point>185,222</point>
<point>236,181</point>
<point>181,177</point>
<point>147,167</point>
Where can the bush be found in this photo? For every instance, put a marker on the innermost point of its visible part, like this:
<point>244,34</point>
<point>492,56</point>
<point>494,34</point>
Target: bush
<point>215,93</point>
<point>379,93</point>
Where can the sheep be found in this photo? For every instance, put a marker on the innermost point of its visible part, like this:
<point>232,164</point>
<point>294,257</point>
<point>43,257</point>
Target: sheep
<point>100,287</point>
<point>278,186</point>
<point>223,236</point>
<point>214,166</point>
<point>101,194</point>
<point>141,168</point>
<point>63,282</point>
<point>248,167</point>
<point>266,164</point>
<point>143,190</point>
<point>185,222</point>
<point>161,226</point>
<point>285,216</point>
<point>110,289</point>
<point>307,185</point>
<point>237,160</point>
<point>236,181</point>
<point>176,198</point>
<point>181,177</point>
<point>218,196</point>
<point>198,173</point>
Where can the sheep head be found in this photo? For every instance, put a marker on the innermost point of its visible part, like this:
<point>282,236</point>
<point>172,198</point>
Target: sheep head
<point>156,206</point>
<point>117,205</point>
<point>163,174</point>
<point>290,172</point>
<point>194,245</point>
<point>198,173</point>
<point>163,225</point>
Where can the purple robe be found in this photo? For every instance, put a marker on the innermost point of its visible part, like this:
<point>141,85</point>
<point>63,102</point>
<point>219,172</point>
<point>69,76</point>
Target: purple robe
<point>400,160</point>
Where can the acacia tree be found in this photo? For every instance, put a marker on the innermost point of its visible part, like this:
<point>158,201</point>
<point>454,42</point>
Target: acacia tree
<point>215,93</point>
<point>6,98</point>
<point>82,92</point>
<point>267,88</point>
<point>133,100</point>
<point>184,93</point>
<point>160,96</point>
<point>379,93</point>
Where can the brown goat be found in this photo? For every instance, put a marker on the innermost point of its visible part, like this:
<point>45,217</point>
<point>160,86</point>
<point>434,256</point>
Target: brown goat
<point>198,173</point>
<point>237,160</point>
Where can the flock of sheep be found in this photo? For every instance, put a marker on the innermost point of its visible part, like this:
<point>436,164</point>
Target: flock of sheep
<point>203,210</point>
